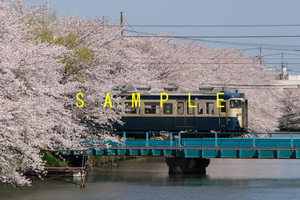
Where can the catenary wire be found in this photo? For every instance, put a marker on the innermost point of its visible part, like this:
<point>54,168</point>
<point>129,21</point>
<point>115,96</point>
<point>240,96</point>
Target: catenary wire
<point>214,36</point>
<point>215,26</point>
<point>264,46</point>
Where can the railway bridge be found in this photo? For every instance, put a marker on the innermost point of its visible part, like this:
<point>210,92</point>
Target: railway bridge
<point>192,154</point>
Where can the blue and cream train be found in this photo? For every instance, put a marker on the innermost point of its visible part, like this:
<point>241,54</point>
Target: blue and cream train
<point>175,114</point>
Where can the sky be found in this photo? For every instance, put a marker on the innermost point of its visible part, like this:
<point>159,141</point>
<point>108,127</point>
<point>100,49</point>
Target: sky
<point>214,20</point>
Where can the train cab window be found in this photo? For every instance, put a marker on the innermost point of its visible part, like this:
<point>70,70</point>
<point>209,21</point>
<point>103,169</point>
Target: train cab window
<point>200,108</point>
<point>235,103</point>
<point>190,110</point>
<point>180,108</point>
<point>210,108</point>
<point>223,108</point>
<point>131,110</point>
<point>152,108</point>
<point>168,108</point>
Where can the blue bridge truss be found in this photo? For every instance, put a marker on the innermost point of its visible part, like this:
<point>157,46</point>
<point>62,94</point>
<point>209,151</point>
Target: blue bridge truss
<point>248,146</point>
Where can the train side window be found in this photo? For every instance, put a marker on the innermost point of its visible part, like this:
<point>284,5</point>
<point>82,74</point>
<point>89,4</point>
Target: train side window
<point>180,108</point>
<point>152,108</point>
<point>168,108</point>
<point>190,110</point>
<point>131,110</point>
<point>223,109</point>
<point>200,108</point>
<point>235,103</point>
<point>210,108</point>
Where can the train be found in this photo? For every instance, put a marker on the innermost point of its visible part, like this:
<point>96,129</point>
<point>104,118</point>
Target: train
<point>170,110</point>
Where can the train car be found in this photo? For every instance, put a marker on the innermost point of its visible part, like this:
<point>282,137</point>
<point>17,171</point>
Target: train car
<point>194,111</point>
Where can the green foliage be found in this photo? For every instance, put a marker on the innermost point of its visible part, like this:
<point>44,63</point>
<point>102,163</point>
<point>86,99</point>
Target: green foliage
<point>45,27</point>
<point>47,31</point>
<point>80,58</point>
<point>52,161</point>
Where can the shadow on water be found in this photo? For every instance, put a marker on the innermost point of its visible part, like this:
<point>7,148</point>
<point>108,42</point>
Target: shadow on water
<point>153,171</point>
<point>152,179</point>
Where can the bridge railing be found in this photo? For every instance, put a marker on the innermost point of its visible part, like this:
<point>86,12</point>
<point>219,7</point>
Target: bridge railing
<point>178,139</point>
<point>214,146</point>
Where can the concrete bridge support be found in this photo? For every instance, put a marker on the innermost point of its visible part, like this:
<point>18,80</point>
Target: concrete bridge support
<point>187,165</point>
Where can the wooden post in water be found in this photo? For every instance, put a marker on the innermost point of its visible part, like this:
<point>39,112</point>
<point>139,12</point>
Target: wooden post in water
<point>111,163</point>
<point>82,172</point>
<point>118,165</point>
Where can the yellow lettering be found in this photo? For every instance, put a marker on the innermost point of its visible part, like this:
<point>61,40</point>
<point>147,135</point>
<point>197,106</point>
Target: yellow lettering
<point>107,100</point>
<point>136,101</point>
<point>218,99</point>
<point>190,102</point>
<point>82,103</point>
<point>161,98</point>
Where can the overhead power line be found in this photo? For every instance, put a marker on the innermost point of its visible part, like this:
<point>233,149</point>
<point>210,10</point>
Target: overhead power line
<point>217,36</point>
<point>212,58</point>
<point>227,42</point>
<point>257,45</point>
<point>256,88</point>
<point>215,26</point>
<point>292,54</point>
<point>209,63</point>
<point>252,85</point>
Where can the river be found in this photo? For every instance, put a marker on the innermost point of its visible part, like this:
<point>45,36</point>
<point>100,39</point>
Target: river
<point>148,178</point>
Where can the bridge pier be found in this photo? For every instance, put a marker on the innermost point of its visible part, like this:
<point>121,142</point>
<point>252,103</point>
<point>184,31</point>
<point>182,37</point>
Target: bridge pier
<point>187,165</point>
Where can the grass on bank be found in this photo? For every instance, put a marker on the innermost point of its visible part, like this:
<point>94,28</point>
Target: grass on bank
<point>53,161</point>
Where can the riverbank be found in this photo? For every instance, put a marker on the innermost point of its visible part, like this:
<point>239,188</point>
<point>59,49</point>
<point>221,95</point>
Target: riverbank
<point>113,161</point>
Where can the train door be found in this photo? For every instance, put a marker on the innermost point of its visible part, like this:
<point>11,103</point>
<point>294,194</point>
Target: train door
<point>245,114</point>
<point>190,114</point>
<point>185,114</point>
<point>223,114</point>
<point>180,116</point>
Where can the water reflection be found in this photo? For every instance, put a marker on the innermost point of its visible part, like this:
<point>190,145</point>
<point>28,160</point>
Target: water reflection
<point>148,178</point>
<point>154,172</point>
<point>152,179</point>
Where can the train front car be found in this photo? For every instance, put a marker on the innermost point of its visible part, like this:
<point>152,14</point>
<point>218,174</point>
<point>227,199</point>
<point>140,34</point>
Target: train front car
<point>198,111</point>
<point>233,116</point>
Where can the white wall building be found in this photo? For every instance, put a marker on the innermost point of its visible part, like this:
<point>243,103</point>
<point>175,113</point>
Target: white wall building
<point>291,77</point>
<point>288,83</point>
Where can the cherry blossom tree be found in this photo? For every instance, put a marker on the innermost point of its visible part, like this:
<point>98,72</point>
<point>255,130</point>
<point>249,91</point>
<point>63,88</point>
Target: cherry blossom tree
<point>30,99</point>
<point>45,63</point>
<point>35,110</point>
<point>190,65</point>
<point>291,109</point>
<point>159,61</point>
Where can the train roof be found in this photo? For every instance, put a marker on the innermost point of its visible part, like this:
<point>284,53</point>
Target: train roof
<point>184,94</point>
<point>173,93</point>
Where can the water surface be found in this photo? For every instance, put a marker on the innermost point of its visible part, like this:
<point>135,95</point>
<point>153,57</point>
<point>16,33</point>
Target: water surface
<point>148,178</point>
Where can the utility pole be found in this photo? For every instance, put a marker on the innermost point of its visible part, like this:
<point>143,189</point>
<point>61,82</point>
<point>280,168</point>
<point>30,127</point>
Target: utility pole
<point>122,23</point>
<point>260,56</point>
<point>282,63</point>
<point>283,68</point>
